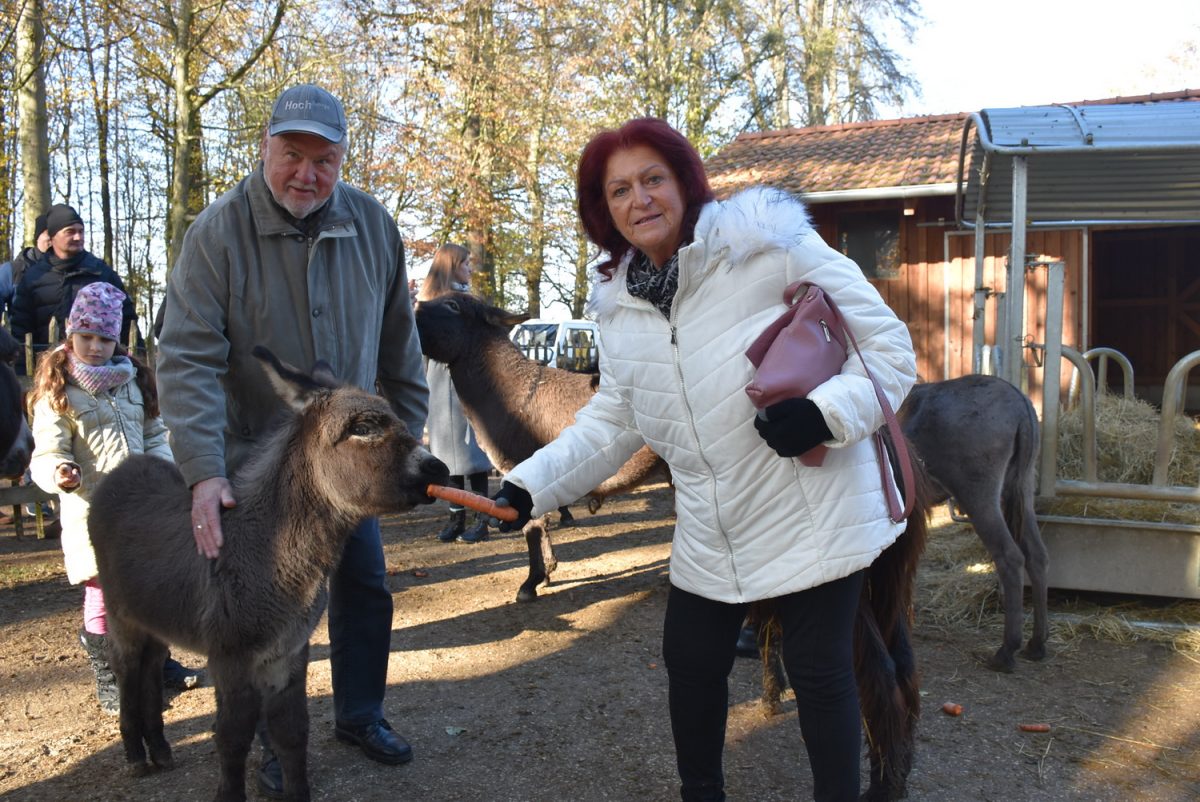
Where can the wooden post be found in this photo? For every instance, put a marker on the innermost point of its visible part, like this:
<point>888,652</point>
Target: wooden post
<point>29,353</point>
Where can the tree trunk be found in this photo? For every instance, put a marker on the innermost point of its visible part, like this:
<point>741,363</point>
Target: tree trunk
<point>478,135</point>
<point>185,113</point>
<point>582,285</point>
<point>188,177</point>
<point>100,86</point>
<point>31,104</point>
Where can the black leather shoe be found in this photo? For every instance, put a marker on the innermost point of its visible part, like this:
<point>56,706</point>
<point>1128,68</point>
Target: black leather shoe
<point>178,677</point>
<point>377,740</point>
<point>270,776</point>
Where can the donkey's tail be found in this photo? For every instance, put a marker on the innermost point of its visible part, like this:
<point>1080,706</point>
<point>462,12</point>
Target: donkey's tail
<point>1020,476</point>
<point>888,682</point>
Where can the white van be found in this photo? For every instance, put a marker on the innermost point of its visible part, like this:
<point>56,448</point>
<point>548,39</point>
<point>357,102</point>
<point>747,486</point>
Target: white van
<point>569,344</point>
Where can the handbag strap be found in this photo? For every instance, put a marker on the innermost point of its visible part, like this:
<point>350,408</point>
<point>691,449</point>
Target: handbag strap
<point>896,512</point>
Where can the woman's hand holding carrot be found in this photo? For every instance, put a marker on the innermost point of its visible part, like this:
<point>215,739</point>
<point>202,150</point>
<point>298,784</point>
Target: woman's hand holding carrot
<point>509,496</point>
<point>483,504</point>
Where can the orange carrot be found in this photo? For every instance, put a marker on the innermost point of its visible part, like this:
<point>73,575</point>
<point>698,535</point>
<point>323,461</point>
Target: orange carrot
<point>952,709</point>
<point>474,501</point>
<point>1034,727</point>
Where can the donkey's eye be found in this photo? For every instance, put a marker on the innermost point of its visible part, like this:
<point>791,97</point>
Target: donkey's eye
<point>361,429</point>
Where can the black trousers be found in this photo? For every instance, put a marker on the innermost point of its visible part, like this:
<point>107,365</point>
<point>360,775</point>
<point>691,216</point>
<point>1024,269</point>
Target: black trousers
<point>699,638</point>
<point>360,628</point>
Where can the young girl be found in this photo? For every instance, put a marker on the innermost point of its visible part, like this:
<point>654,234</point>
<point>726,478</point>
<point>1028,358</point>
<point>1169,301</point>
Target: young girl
<point>92,407</point>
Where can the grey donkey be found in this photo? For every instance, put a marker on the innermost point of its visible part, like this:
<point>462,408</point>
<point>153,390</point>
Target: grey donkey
<point>339,455</point>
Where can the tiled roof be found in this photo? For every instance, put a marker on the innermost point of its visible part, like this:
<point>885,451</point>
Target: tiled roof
<point>916,151</point>
<point>910,152</point>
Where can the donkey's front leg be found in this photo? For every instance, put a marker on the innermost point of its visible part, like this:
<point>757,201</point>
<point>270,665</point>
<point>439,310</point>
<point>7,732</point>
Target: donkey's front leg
<point>238,708</point>
<point>287,723</point>
<point>154,654</point>
<point>538,543</point>
<point>124,651</point>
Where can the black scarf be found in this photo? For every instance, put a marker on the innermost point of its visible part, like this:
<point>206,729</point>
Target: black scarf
<point>655,284</point>
<point>65,265</point>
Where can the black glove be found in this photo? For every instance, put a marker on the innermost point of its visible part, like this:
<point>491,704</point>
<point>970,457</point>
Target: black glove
<point>509,495</point>
<point>793,426</point>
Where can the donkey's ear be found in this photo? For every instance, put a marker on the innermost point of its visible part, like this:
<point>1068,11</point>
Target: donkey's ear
<point>322,373</point>
<point>295,388</point>
<point>503,318</point>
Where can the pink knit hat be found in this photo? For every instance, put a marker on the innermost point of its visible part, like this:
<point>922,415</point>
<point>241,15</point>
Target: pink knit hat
<point>97,310</point>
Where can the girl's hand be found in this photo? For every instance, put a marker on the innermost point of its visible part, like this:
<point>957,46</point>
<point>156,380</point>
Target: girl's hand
<point>67,476</point>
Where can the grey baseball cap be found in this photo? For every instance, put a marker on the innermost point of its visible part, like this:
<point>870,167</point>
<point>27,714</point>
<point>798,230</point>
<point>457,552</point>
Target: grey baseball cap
<point>308,109</point>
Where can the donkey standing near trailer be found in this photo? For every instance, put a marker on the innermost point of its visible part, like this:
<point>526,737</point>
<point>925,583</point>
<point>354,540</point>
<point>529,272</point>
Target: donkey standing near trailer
<point>515,404</point>
<point>340,456</point>
<point>978,438</point>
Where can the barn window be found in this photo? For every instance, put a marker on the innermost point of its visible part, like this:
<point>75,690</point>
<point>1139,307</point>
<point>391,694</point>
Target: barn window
<point>872,240</point>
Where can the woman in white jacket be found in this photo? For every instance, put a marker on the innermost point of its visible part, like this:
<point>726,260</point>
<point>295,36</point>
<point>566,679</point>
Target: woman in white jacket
<point>689,283</point>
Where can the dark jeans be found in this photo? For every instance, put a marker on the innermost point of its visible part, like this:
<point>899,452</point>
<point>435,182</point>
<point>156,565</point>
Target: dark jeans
<point>360,628</point>
<point>699,638</point>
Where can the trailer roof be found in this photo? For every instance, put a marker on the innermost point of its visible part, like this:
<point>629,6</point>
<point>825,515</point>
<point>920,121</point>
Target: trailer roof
<point>1116,163</point>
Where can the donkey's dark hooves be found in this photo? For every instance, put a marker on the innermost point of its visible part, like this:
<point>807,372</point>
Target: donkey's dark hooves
<point>139,768</point>
<point>884,793</point>
<point>1032,652</point>
<point>527,595</point>
<point>1000,663</point>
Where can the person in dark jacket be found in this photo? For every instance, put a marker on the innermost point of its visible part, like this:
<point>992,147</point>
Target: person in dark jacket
<point>12,271</point>
<point>48,287</point>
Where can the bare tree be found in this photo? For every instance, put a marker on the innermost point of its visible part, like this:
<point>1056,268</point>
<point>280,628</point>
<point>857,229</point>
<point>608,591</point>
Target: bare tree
<point>201,53</point>
<point>30,83</point>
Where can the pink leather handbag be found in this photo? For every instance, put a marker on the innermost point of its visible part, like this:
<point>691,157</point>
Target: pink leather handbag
<point>802,349</point>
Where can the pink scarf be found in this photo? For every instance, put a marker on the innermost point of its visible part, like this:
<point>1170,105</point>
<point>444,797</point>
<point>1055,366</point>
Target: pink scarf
<point>97,379</point>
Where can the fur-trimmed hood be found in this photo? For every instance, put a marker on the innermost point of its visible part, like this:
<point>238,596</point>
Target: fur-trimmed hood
<point>751,222</point>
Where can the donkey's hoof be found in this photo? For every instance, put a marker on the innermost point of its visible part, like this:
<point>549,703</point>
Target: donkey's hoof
<point>139,768</point>
<point>1034,651</point>
<point>163,759</point>
<point>527,594</point>
<point>1002,662</point>
<point>885,790</point>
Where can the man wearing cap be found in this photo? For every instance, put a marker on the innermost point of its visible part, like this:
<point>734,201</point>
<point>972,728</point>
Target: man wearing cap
<point>47,288</point>
<point>11,272</point>
<point>294,259</point>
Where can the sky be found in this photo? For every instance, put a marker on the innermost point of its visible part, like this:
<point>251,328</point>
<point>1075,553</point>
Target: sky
<point>970,55</point>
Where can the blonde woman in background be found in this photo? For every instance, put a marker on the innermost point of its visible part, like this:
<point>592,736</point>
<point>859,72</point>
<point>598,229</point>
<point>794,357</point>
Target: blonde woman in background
<point>450,436</point>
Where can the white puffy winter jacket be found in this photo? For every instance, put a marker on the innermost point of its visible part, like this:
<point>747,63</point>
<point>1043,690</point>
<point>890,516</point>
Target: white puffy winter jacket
<point>751,525</point>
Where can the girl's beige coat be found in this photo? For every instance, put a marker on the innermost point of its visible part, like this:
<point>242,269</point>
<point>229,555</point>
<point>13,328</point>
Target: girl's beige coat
<point>98,433</point>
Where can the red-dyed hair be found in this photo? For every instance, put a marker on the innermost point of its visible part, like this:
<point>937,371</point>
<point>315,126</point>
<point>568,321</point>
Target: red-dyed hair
<point>679,155</point>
